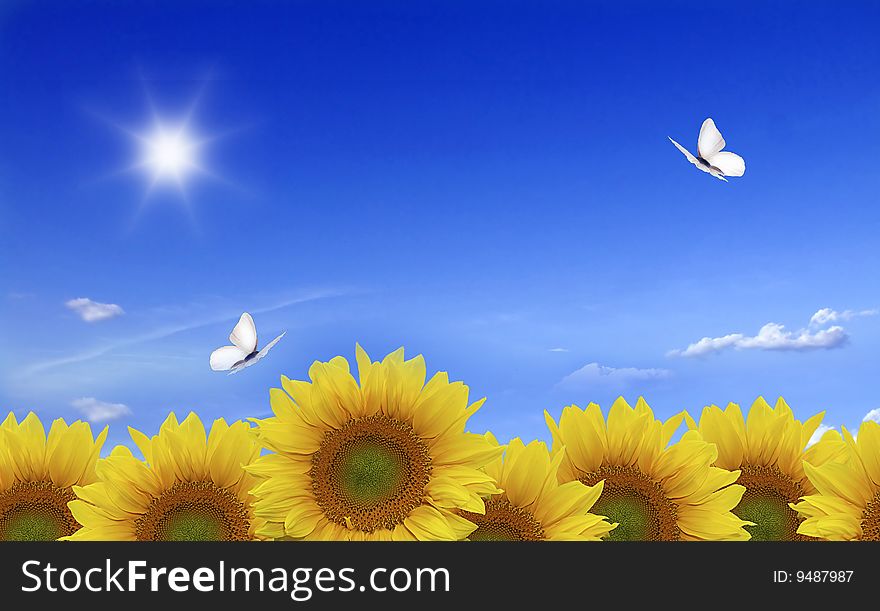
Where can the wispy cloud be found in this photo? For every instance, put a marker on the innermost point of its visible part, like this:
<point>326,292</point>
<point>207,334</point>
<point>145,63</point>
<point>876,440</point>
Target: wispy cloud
<point>18,295</point>
<point>774,336</point>
<point>708,345</point>
<point>168,331</point>
<point>94,311</point>
<point>594,374</point>
<point>827,315</point>
<point>100,411</point>
<point>557,350</point>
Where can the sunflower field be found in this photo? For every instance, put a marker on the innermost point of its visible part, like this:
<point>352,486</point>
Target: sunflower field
<point>387,455</point>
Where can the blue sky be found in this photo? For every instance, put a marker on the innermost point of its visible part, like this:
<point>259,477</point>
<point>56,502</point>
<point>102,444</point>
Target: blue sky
<point>486,183</point>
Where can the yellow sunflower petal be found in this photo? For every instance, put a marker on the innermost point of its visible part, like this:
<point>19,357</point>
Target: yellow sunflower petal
<point>707,524</point>
<point>523,482</point>
<point>839,527</point>
<point>571,498</point>
<point>428,524</point>
<point>584,437</point>
<point>840,480</point>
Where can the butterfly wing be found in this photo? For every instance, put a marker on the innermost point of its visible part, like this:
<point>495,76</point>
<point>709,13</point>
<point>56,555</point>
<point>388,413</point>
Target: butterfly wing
<point>730,164</point>
<point>223,359</point>
<point>244,335</point>
<point>687,154</point>
<point>710,141</point>
<point>258,356</point>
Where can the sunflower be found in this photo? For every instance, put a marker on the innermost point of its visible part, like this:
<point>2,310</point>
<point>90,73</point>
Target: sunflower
<point>768,450</point>
<point>653,490</point>
<point>192,486</point>
<point>37,475</point>
<point>534,505</point>
<point>847,504</point>
<point>386,459</point>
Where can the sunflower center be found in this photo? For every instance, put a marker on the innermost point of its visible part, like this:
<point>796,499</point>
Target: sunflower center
<point>194,511</point>
<point>36,511</point>
<point>371,473</point>
<point>765,502</point>
<point>636,502</point>
<point>871,520</point>
<point>504,522</point>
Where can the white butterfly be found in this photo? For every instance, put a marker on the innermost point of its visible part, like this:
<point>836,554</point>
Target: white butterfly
<point>710,158</point>
<point>243,352</point>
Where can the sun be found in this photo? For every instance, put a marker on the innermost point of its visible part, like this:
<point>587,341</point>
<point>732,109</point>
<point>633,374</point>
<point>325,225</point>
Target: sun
<point>170,154</point>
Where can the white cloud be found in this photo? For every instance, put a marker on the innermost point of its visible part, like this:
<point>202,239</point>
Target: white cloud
<point>557,350</point>
<point>874,415</point>
<point>93,311</point>
<point>772,336</point>
<point>827,315</point>
<point>593,374</point>
<point>100,411</point>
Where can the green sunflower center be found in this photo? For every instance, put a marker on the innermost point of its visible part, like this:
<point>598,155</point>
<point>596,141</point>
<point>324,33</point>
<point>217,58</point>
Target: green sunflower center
<point>765,502</point>
<point>194,511</point>
<point>504,522</point>
<point>371,473</point>
<point>636,502</point>
<point>36,511</point>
